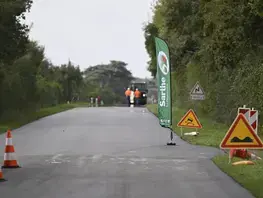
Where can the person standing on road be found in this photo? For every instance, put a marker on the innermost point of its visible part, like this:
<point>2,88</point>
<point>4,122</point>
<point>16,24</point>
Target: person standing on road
<point>132,98</point>
<point>137,95</point>
<point>91,101</point>
<point>99,99</point>
<point>128,94</point>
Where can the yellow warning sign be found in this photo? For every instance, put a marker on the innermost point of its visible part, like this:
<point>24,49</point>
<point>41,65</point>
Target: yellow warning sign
<point>190,120</point>
<point>241,135</point>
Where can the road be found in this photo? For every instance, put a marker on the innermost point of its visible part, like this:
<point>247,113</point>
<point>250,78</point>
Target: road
<point>111,152</point>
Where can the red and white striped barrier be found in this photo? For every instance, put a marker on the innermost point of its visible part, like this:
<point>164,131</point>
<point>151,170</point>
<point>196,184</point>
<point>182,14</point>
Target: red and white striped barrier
<point>253,120</point>
<point>245,111</point>
<point>251,116</point>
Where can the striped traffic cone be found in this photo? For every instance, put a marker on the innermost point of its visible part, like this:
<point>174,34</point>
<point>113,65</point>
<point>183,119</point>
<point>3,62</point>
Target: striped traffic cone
<point>1,175</point>
<point>10,156</point>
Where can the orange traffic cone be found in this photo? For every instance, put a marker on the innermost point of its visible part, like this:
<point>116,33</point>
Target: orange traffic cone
<point>10,156</point>
<point>1,175</point>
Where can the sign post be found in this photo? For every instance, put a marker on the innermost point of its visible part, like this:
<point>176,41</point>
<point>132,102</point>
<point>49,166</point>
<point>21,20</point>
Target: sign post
<point>197,93</point>
<point>164,86</point>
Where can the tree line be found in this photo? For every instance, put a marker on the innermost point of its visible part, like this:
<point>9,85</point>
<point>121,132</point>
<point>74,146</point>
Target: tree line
<point>29,81</point>
<point>218,43</point>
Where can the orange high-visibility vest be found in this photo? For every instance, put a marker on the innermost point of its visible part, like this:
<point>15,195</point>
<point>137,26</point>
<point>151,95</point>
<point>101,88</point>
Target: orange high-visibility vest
<point>128,93</point>
<point>137,94</point>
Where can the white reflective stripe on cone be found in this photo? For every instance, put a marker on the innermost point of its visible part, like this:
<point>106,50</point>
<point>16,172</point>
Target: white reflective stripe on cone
<point>8,141</point>
<point>10,156</point>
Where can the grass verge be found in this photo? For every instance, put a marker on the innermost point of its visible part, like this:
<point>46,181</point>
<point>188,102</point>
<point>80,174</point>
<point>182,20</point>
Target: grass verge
<point>212,133</point>
<point>248,176</point>
<point>32,116</point>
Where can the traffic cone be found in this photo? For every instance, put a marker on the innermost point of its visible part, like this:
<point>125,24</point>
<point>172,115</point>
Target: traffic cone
<point>10,156</point>
<point>1,175</point>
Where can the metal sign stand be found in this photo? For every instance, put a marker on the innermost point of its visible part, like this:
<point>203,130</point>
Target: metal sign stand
<point>197,93</point>
<point>171,143</point>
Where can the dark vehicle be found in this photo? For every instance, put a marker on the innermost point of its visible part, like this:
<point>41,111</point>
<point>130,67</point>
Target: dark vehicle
<point>142,87</point>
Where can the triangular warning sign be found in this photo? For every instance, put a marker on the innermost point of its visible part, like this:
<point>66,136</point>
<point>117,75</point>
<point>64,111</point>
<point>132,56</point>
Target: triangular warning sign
<point>241,135</point>
<point>197,89</point>
<point>190,120</point>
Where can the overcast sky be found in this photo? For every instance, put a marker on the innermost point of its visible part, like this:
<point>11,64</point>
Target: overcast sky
<point>91,32</point>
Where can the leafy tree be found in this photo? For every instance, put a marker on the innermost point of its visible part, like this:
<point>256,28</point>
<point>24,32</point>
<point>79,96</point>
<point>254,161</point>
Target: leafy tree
<point>219,44</point>
<point>29,81</point>
<point>13,33</point>
<point>150,32</point>
<point>113,76</point>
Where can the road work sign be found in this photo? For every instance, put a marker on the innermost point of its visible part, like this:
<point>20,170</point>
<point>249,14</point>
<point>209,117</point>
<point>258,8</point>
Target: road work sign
<point>241,135</point>
<point>190,120</point>
<point>197,92</point>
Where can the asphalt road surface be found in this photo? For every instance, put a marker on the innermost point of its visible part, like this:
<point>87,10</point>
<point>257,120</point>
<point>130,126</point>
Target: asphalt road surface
<point>111,152</point>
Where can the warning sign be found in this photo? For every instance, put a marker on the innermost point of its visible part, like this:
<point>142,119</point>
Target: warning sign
<point>190,120</point>
<point>241,135</point>
<point>197,92</point>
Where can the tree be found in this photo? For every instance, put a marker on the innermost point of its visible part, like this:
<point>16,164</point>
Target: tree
<point>29,81</point>
<point>13,34</point>
<point>113,76</point>
<point>150,32</point>
<point>219,44</point>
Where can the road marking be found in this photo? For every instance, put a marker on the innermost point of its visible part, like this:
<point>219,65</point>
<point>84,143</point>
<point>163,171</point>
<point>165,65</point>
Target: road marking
<point>105,161</point>
<point>181,168</point>
<point>96,158</point>
<point>81,161</point>
<point>55,162</point>
<point>130,162</point>
<point>202,173</point>
<point>54,159</point>
<point>139,160</point>
<point>202,157</point>
<point>147,168</point>
<point>178,161</point>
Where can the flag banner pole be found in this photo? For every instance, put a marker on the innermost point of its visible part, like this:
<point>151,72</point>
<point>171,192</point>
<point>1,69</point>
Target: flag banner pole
<point>164,86</point>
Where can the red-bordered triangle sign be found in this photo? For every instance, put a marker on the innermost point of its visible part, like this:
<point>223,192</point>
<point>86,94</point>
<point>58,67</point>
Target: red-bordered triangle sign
<point>190,120</point>
<point>241,135</point>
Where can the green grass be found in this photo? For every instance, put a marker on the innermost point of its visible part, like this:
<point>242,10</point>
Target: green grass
<point>249,176</point>
<point>212,133</point>
<point>32,116</point>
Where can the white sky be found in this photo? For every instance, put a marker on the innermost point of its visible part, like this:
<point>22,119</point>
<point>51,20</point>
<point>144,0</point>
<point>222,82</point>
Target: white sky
<point>90,32</point>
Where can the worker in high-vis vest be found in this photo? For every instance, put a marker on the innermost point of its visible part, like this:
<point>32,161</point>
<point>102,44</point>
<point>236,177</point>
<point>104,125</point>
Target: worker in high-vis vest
<point>128,94</point>
<point>137,95</point>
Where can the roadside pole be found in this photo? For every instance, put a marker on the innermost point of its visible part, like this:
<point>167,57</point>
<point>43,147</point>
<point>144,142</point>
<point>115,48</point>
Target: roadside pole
<point>197,93</point>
